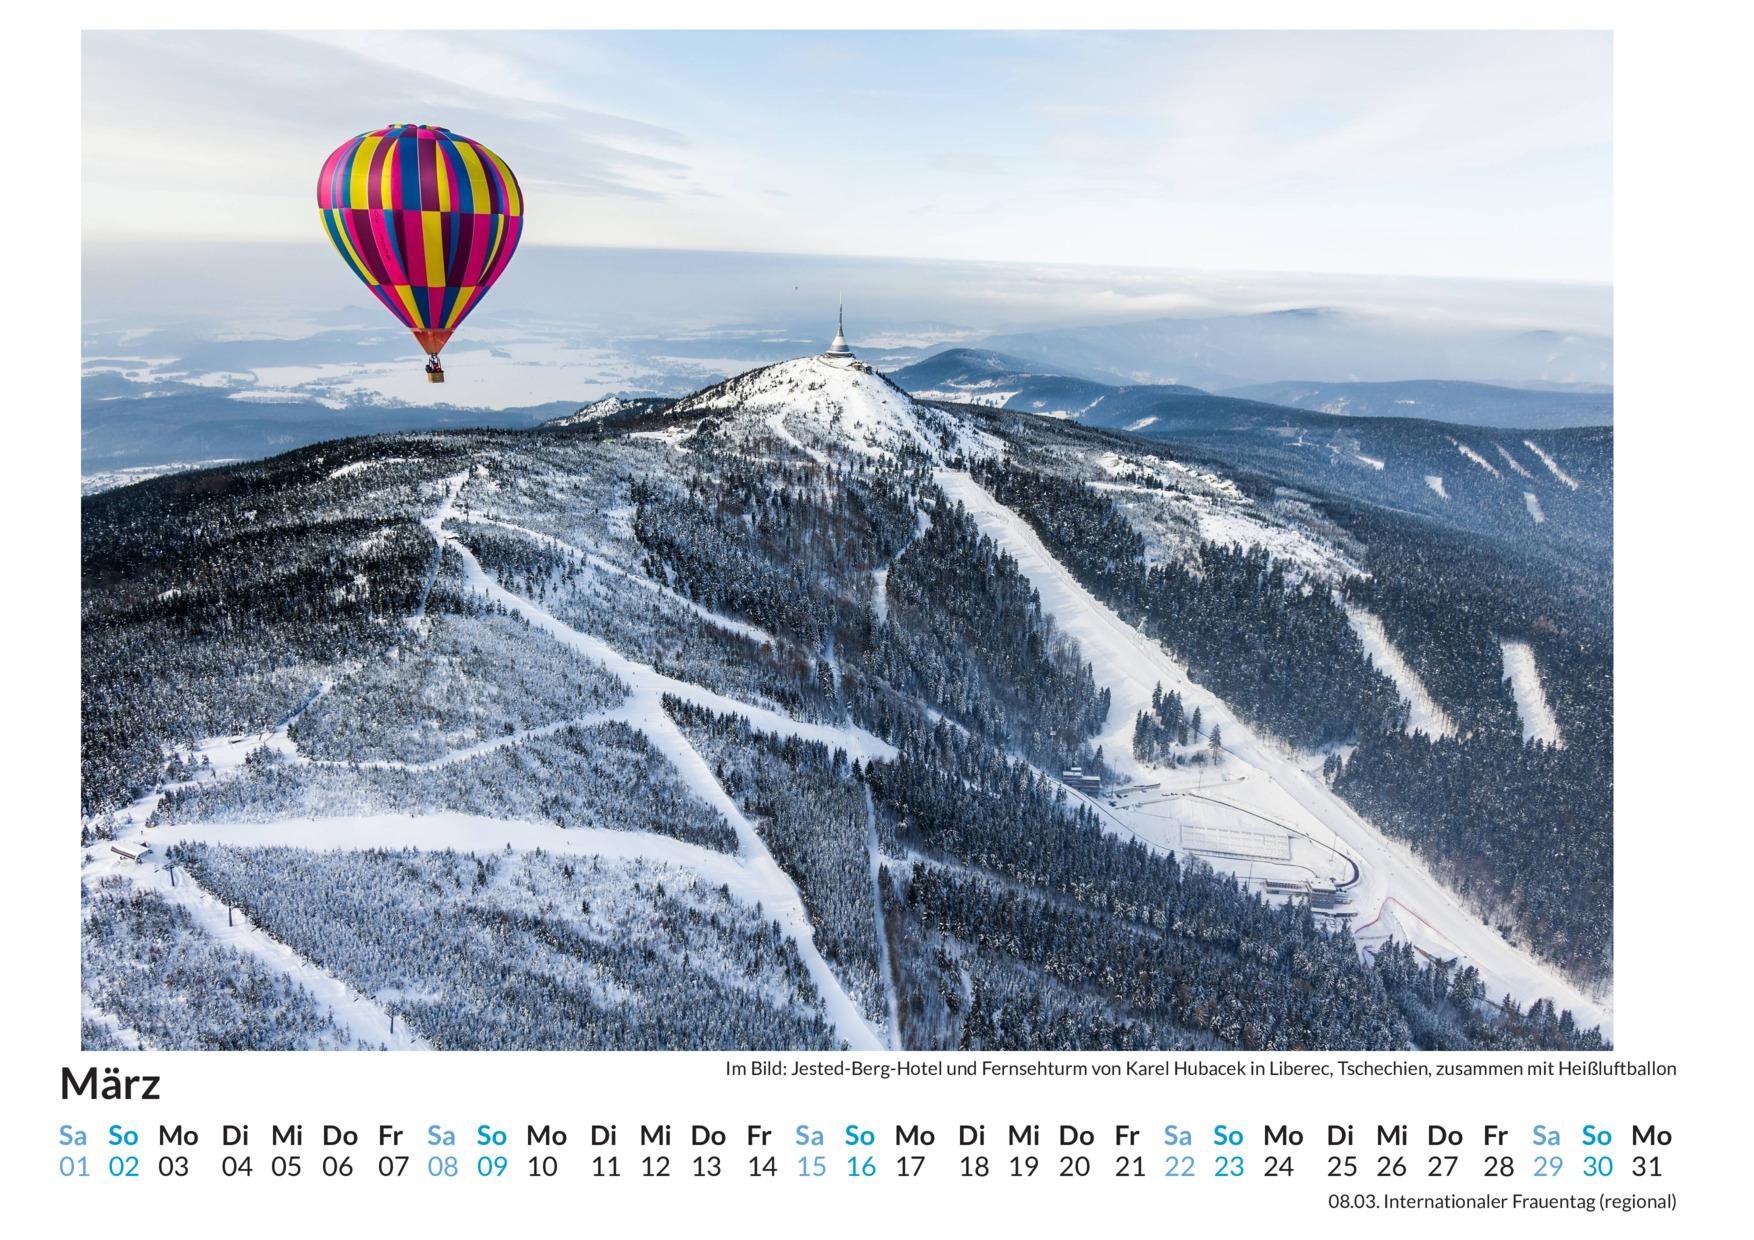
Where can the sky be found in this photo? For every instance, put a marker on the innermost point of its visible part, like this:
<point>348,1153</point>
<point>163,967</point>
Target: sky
<point>1482,156</point>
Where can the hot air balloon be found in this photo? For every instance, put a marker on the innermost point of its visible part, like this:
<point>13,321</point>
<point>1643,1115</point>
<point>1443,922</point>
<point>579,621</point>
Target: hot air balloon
<point>427,218</point>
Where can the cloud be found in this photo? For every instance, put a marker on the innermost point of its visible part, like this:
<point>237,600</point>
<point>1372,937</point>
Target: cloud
<point>1410,152</point>
<point>468,60</point>
<point>1238,113</point>
<point>173,119</point>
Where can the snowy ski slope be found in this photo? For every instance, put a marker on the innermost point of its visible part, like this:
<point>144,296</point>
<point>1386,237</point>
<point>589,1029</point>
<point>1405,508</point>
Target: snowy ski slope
<point>1277,786</point>
<point>1426,716</point>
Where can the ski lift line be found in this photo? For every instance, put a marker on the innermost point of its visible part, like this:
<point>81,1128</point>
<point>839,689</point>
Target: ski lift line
<point>885,961</point>
<point>292,716</point>
<point>435,523</point>
<point>275,953</point>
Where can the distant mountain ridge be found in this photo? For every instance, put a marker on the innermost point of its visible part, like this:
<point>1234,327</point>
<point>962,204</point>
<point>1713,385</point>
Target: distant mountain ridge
<point>124,424</point>
<point>1000,381</point>
<point>1481,478</point>
<point>1444,400</point>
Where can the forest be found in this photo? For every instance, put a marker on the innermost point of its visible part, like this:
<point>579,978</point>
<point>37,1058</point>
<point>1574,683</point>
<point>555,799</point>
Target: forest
<point>538,952</point>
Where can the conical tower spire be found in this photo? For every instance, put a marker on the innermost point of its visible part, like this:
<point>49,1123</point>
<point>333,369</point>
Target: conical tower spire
<point>839,347</point>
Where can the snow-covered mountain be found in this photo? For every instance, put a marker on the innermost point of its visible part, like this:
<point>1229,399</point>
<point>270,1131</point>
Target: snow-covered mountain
<point>822,404</point>
<point>748,720</point>
<point>833,401</point>
<point>1465,404</point>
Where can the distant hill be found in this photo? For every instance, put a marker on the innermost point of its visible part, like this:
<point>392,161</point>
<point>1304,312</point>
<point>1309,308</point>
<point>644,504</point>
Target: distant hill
<point>1465,404</point>
<point>1482,480</point>
<point>963,367</point>
<point>1543,385</point>
<point>999,381</point>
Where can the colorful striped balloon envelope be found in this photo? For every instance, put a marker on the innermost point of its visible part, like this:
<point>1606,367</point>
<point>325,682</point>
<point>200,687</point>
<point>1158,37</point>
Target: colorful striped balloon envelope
<point>427,218</point>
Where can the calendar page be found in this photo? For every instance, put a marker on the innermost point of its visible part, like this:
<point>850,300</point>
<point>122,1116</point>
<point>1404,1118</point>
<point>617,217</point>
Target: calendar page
<point>933,620</point>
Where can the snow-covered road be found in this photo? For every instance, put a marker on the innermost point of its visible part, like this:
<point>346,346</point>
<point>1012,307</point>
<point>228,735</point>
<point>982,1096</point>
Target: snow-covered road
<point>1130,665</point>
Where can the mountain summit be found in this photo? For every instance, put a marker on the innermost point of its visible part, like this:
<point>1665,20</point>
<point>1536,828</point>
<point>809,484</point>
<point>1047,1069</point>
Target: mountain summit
<point>830,401</point>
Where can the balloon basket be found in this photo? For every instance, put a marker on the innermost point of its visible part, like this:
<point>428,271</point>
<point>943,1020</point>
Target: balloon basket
<point>435,376</point>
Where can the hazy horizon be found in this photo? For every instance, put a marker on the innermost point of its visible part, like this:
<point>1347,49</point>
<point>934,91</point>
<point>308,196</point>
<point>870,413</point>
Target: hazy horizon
<point>637,288</point>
